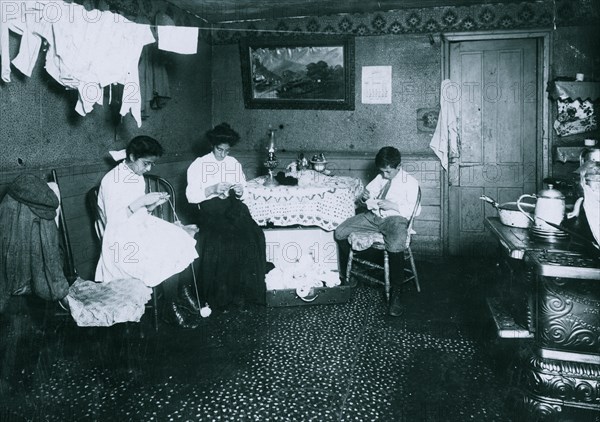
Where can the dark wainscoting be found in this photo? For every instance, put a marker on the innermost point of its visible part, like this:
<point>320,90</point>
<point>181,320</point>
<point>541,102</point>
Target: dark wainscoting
<point>76,181</point>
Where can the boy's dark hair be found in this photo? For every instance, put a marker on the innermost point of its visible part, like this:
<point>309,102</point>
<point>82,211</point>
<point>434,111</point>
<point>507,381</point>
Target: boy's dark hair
<point>144,146</point>
<point>222,134</point>
<point>388,156</point>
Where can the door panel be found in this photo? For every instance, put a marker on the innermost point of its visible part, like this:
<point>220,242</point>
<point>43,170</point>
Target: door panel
<point>498,135</point>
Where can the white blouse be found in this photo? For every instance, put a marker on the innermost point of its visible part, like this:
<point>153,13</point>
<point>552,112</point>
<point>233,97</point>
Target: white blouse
<point>139,245</point>
<point>119,188</point>
<point>206,171</point>
<point>403,191</point>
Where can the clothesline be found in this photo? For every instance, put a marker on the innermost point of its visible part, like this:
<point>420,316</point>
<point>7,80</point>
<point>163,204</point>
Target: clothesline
<point>109,52</point>
<point>273,31</point>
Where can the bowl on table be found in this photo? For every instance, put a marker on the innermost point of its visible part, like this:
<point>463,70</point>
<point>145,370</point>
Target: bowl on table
<point>318,165</point>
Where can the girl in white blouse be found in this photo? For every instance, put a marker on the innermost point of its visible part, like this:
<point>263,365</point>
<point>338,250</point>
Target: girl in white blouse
<point>136,244</point>
<point>231,246</point>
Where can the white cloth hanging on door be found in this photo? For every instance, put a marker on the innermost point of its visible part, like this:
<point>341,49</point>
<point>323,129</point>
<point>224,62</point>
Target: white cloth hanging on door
<point>445,140</point>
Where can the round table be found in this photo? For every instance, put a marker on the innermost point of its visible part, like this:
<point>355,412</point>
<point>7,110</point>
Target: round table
<point>317,200</point>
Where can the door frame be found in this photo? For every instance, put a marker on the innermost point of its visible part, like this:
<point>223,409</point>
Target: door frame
<point>543,160</point>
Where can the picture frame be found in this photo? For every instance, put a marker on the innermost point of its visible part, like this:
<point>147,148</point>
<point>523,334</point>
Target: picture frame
<point>298,73</point>
<point>427,119</point>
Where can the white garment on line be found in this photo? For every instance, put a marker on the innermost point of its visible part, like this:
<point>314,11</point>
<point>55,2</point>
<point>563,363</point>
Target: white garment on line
<point>4,44</point>
<point>17,17</point>
<point>87,50</point>
<point>91,54</point>
<point>445,140</point>
<point>178,39</point>
<point>32,29</point>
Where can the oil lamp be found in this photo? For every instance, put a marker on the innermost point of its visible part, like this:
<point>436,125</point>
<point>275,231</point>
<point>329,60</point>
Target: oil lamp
<point>271,162</point>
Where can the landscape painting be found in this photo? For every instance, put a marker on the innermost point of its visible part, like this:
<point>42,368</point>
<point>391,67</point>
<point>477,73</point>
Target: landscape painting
<point>312,74</point>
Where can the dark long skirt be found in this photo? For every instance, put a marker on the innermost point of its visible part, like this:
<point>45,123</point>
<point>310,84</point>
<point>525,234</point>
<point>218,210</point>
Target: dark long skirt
<point>232,258</point>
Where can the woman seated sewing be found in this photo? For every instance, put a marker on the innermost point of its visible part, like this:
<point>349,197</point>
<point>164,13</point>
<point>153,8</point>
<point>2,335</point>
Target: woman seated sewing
<point>231,246</point>
<point>135,243</point>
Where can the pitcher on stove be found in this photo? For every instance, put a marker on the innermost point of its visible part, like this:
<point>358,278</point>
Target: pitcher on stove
<point>549,209</point>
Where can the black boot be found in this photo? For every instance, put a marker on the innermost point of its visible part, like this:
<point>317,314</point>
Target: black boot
<point>188,298</point>
<point>396,280</point>
<point>173,314</point>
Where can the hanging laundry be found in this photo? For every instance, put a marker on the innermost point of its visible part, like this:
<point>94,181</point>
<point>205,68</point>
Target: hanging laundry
<point>445,140</point>
<point>86,50</point>
<point>4,44</point>
<point>27,20</point>
<point>89,54</point>
<point>154,81</point>
<point>32,34</point>
<point>10,18</point>
<point>177,39</point>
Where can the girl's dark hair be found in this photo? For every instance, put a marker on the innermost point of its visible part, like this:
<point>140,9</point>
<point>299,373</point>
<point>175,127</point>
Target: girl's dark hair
<point>388,156</point>
<point>144,146</point>
<point>222,134</point>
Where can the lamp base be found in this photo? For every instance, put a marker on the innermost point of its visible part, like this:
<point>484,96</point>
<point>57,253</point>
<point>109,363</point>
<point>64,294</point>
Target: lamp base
<point>271,164</point>
<point>271,182</point>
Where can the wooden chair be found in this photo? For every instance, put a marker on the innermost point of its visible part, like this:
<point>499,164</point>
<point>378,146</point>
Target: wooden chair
<point>376,242</point>
<point>69,262</point>
<point>165,211</point>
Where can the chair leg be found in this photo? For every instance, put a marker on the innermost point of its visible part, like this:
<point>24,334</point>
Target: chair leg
<point>155,306</point>
<point>386,273</point>
<point>196,285</point>
<point>349,266</point>
<point>414,270</point>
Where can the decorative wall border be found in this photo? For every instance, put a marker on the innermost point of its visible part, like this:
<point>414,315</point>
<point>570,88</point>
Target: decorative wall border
<point>525,15</point>
<point>540,14</point>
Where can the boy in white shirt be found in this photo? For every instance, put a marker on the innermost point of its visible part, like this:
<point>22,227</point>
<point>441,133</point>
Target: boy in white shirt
<point>390,198</point>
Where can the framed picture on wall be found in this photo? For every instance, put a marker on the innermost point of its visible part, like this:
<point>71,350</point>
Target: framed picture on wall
<point>298,73</point>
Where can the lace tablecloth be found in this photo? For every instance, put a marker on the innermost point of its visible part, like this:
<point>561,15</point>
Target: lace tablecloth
<point>323,201</point>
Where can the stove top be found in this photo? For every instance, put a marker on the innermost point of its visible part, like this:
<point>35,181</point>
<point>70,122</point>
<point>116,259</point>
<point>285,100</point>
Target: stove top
<point>566,258</point>
<point>566,264</point>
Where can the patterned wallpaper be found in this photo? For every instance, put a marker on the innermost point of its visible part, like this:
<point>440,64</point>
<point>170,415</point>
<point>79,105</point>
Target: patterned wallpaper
<point>539,14</point>
<point>543,14</point>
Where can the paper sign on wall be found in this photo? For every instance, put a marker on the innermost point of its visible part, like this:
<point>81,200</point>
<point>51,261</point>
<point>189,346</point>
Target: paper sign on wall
<point>377,84</point>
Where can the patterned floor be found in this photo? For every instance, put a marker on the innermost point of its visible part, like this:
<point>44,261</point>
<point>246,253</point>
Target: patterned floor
<point>347,362</point>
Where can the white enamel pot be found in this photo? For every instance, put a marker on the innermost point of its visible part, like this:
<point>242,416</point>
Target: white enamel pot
<point>509,213</point>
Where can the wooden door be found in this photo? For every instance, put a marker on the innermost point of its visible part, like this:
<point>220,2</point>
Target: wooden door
<point>496,85</point>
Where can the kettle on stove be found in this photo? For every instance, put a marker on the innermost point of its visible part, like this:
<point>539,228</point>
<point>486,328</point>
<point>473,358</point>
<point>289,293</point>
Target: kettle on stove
<point>549,208</point>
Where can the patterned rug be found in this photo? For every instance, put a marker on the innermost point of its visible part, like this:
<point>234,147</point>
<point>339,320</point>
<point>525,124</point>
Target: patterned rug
<point>324,363</point>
